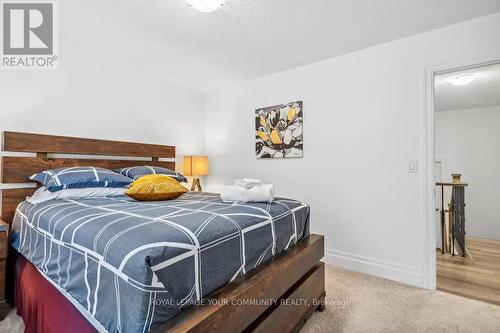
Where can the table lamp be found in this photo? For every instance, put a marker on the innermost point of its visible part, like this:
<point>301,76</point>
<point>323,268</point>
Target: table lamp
<point>195,166</point>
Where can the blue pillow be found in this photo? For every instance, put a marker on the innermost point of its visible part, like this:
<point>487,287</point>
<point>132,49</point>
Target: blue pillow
<point>139,171</point>
<point>79,177</point>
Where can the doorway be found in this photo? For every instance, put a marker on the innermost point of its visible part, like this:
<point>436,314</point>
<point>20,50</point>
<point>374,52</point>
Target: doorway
<point>466,108</point>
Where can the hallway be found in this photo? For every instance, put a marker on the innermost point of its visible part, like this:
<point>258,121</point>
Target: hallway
<point>477,278</point>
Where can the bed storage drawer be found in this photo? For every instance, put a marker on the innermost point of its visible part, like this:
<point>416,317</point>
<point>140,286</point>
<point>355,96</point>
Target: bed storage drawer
<point>296,305</point>
<point>4,244</point>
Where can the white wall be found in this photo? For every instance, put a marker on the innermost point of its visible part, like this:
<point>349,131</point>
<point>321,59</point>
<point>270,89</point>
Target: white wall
<point>362,123</point>
<point>468,142</point>
<point>109,85</point>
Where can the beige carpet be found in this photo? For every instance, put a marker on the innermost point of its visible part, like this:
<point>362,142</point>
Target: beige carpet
<point>361,303</point>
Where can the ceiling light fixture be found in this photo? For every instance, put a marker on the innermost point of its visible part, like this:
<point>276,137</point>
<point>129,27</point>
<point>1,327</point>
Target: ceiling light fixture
<point>206,6</point>
<point>461,79</point>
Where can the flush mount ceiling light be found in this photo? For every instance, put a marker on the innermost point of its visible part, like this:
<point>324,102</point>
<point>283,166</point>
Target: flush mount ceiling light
<point>206,6</point>
<point>461,79</point>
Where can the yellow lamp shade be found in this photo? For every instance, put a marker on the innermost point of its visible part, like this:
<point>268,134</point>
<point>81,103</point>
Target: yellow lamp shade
<point>195,166</point>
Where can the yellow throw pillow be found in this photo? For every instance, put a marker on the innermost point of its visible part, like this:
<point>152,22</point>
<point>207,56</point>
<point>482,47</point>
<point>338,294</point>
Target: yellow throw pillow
<point>155,188</point>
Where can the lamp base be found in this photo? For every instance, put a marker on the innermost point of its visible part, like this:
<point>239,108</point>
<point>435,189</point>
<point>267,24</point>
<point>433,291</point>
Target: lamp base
<point>196,186</point>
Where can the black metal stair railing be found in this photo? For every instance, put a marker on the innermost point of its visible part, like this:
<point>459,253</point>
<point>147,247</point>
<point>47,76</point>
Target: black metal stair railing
<point>458,207</point>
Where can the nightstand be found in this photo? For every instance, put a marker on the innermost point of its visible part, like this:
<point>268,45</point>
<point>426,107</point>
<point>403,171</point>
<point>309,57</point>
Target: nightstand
<point>4,245</point>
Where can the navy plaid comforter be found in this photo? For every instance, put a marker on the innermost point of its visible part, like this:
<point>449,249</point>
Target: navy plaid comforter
<point>128,265</point>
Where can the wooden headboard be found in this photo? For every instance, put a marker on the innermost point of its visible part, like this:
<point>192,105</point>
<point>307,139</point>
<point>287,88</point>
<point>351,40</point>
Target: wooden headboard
<point>16,170</point>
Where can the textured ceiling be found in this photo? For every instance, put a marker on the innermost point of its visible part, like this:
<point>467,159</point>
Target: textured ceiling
<point>251,38</point>
<point>484,91</point>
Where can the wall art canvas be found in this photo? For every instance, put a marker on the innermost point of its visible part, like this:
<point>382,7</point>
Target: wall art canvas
<point>278,131</point>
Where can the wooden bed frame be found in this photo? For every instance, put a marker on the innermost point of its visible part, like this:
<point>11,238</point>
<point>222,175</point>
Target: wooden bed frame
<point>278,296</point>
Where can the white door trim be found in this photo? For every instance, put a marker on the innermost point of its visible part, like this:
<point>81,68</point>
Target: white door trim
<point>427,142</point>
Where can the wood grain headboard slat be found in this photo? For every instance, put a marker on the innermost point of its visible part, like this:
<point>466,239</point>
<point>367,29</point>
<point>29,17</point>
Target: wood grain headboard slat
<point>18,169</point>
<point>11,198</point>
<point>40,143</point>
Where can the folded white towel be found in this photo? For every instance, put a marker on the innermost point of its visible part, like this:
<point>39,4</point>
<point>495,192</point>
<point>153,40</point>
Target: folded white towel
<point>258,193</point>
<point>247,182</point>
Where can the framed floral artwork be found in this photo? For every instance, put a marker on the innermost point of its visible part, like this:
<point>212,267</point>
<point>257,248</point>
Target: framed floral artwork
<point>278,131</point>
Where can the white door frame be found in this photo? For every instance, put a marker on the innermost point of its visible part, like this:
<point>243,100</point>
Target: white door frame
<point>428,157</point>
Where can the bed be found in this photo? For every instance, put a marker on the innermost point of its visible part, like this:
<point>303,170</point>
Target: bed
<point>186,265</point>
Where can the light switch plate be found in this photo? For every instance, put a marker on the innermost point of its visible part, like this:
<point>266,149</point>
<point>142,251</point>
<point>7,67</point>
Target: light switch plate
<point>412,166</point>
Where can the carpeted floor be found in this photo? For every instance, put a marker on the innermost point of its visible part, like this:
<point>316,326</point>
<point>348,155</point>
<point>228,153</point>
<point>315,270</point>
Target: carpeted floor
<point>362,303</point>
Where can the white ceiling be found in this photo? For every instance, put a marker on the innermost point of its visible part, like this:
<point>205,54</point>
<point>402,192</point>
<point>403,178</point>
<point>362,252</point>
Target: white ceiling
<point>251,38</point>
<point>483,91</point>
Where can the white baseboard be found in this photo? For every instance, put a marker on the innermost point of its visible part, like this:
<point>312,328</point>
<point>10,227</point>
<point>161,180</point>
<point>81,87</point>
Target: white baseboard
<point>387,270</point>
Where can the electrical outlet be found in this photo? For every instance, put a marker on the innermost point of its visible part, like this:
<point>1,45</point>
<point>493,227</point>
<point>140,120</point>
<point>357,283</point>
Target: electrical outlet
<point>412,166</point>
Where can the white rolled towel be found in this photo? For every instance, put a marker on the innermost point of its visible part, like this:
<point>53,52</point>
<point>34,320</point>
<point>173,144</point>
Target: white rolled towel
<point>258,193</point>
<point>247,182</point>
